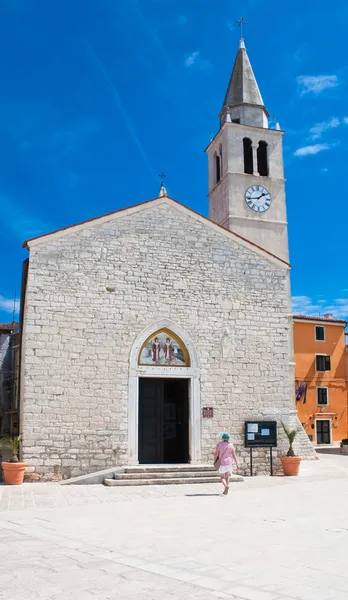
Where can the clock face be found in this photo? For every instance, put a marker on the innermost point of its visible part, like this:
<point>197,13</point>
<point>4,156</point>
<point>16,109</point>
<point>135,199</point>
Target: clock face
<point>258,198</point>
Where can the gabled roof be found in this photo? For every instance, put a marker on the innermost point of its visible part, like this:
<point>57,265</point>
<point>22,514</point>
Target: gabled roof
<point>143,206</point>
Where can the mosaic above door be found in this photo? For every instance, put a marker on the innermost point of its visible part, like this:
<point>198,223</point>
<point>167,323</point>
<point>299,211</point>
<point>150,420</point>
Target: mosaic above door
<point>164,349</point>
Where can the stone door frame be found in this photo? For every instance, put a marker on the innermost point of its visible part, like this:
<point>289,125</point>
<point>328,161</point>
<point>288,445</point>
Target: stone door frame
<point>191,373</point>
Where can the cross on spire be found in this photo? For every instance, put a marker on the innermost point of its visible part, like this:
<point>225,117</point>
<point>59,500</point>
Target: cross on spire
<point>163,191</point>
<point>162,176</point>
<point>241,22</point>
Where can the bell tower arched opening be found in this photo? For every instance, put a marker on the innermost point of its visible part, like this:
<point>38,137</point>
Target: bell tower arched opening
<point>262,159</point>
<point>248,156</point>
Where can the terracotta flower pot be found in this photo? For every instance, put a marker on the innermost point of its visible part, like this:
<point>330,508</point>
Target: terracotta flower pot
<point>291,465</point>
<point>13,472</point>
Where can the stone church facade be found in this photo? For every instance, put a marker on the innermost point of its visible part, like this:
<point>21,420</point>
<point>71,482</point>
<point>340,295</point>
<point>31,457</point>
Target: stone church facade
<point>148,331</point>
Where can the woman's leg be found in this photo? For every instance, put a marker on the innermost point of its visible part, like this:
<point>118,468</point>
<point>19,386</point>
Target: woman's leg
<point>227,481</point>
<point>222,479</point>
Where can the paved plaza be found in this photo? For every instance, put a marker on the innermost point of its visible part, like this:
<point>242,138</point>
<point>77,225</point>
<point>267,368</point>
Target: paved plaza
<point>270,539</point>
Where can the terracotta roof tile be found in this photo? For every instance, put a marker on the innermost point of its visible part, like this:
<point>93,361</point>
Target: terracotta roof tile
<point>317,318</point>
<point>8,326</point>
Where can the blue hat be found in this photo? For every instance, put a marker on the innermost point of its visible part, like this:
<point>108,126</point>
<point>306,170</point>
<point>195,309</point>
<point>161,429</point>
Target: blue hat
<point>225,436</point>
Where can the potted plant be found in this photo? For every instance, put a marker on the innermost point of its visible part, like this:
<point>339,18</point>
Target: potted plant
<point>344,446</point>
<point>290,462</point>
<point>13,469</point>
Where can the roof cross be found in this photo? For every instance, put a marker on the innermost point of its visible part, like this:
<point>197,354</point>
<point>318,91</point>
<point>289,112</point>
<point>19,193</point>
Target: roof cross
<point>162,177</point>
<point>241,22</point>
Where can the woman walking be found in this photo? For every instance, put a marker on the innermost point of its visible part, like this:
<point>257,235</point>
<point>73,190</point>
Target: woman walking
<point>225,454</point>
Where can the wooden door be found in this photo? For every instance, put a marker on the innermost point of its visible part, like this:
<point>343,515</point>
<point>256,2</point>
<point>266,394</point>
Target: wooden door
<point>150,421</point>
<point>176,419</point>
<point>323,431</point>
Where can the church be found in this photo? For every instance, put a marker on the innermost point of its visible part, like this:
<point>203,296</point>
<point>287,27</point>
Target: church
<point>148,331</point>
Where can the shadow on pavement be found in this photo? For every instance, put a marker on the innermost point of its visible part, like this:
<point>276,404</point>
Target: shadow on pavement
<point>194,495</point>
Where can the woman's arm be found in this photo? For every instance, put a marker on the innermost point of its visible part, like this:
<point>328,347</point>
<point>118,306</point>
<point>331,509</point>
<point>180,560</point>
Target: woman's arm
<point>217,452</point>
<point>235,458</point>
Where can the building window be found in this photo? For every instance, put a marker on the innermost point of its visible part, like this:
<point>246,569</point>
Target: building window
<point>262,159</point>
<point>320,333</point>
<point>248,156</point>
<point>322,396</point>
<point>322,362</point>
<point>217,168</point>
<point>221,164</point>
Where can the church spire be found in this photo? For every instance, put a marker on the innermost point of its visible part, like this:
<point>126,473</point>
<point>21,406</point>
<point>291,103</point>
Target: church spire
<point>243,100</point>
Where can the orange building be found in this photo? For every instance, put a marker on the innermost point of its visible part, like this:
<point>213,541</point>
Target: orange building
<point>321,377</point>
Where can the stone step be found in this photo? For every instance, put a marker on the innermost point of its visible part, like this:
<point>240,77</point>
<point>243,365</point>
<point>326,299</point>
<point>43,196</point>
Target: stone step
<point>165,475</point>
<point>169,481</point>
<point>170,469</point>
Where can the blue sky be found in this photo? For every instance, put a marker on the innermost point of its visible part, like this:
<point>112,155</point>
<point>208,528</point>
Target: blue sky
<point>99,97</point>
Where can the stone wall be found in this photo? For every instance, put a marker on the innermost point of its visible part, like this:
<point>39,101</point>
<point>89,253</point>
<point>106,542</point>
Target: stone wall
<point>92,291</point>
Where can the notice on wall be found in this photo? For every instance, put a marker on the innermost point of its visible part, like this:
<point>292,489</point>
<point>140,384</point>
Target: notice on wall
<point>253,428</point>
<point>265,431</point>
<point>251,436</point>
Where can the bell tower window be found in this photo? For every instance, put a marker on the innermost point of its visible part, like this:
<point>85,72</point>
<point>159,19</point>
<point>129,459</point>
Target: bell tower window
<point>248,156</point>
<point>262,159</point>
<point>217,167</point>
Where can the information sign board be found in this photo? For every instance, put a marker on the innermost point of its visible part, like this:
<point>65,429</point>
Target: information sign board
<point>260,434</point>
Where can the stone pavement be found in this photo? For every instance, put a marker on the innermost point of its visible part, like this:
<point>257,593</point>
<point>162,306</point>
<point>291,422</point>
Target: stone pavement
<point>270,539</point>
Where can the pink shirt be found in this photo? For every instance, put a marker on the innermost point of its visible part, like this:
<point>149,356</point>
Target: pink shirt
<point>225,453</point>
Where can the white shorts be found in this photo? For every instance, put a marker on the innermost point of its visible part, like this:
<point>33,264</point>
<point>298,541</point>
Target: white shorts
<point>225,469</point>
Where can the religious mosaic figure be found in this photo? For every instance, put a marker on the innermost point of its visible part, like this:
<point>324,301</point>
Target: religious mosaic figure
<point>162,349</point>
<point>156,349</point>
<point>168,350</point>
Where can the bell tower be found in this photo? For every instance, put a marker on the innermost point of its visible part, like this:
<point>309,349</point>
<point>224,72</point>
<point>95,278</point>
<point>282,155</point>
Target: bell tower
<point>245,165</point>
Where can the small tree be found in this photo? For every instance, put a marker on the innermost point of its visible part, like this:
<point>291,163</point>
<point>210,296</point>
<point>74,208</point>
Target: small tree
<point>12,444</point>
<point>290,434</point>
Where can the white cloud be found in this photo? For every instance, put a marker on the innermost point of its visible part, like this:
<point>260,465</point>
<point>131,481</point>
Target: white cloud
<point>194,59</point>
<point>6,304</point>
<point>345,120</point>
<point>305,305</point>
<point>315,84</point>
<point>319,128</point>
<point>314,149</point>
